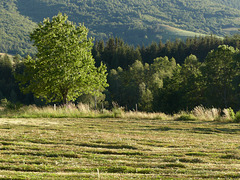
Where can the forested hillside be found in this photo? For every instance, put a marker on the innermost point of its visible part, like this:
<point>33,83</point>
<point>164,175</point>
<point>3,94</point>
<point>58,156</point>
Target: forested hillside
<point>14,29</point>
<point>135,21</point>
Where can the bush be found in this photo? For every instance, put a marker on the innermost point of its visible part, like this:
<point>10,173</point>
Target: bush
<point>116,110</point>
<point>231,113</point>
<point>4,102</point>
<point>237,117</point>
<point>228,114</point>
<point>9,105</point>
<point>186,117</point>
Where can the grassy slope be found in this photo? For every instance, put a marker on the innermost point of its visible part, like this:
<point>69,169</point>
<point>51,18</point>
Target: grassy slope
<point>118,149</point>
<point>136,22</point>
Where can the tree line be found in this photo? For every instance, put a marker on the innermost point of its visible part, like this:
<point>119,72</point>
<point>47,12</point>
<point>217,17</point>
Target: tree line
<point>162,77</point>
<point>173,76</point>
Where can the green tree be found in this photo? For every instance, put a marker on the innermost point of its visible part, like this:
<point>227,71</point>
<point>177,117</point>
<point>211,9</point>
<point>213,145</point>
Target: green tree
<point>219,71</point>
<point>64,67</point>
<point>145,98</point>
<point>192,83</point>
<point>170,95</point>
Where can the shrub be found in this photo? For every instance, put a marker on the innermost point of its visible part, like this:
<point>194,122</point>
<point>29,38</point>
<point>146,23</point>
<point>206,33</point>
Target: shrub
<point>9,105</point>
<point>186,117</point>
<point>228,114</point>
<point>237,117</point>
<point>116,110</point>
<point>231,113</point>
<point>4,102</point>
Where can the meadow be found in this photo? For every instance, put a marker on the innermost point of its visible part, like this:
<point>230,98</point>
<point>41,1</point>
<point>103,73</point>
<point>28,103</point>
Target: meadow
<point>158,147</point>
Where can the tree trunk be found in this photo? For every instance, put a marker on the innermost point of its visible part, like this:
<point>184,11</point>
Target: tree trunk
<point>64,96</point>
<point>225,97</point>
<point>64,99</point>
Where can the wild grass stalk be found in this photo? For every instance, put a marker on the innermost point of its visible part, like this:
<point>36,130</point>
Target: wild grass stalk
<point>203,113</point>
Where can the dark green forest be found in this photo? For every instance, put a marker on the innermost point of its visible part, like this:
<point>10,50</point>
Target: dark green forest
<point>161,77</point>
<point>136,22</point>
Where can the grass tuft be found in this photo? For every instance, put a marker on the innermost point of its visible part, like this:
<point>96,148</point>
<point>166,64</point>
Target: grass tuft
<point>144,115</point>
<point>185,117</point>
<point>208,114</point>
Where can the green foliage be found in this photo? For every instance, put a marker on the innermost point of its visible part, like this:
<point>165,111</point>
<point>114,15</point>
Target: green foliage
<point>117,112</point>
<point>231,113</point>
<point>8,87</point>
<point>158,84</point>
<point>115,53</point>
<point>8,105</point>
<point>133,84</point>
<point>219,70</point>
<point>237,117</point>
<point>137,22</point>
<point>168,87</point>
<point>191,84</point>
<point>14,29</point>
<point>145,98</point>
<point>186,117</point>
<point>4,102</point>
<point>64,68</point>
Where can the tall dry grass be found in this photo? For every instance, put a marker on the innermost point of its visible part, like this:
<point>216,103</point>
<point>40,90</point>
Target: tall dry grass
<point>79,111</point>
<point>144,115</point>
<point>203,113</point>
<point>70,110</point>
<point>83,110</point>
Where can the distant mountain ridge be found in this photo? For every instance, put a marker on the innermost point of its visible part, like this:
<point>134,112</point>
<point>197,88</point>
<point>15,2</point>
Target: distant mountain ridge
<point>135,21</point>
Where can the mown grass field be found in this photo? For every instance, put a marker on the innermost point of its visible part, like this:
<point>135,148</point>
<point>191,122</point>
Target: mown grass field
<point>115,148</point>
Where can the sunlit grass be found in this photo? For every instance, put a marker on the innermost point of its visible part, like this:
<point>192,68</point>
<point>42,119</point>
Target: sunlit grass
<point>83,110</point>
<point>54,112</point>
<point>118,148</point>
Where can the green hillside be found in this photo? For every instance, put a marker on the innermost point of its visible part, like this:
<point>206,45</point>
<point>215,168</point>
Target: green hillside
<point>136,21</point>
<point>14,29</point>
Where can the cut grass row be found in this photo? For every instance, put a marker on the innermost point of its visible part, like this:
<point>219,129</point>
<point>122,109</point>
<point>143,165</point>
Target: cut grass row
<point>86,148</point>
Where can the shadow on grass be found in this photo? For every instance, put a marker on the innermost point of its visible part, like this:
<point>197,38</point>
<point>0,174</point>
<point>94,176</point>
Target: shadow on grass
<point>165,128</point>
<point>109,152</point>
<point>107,146</point>
<point>216,130</point>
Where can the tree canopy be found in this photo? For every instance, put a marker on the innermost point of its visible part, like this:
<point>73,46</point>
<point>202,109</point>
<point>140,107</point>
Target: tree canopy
<point>63,68</point>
